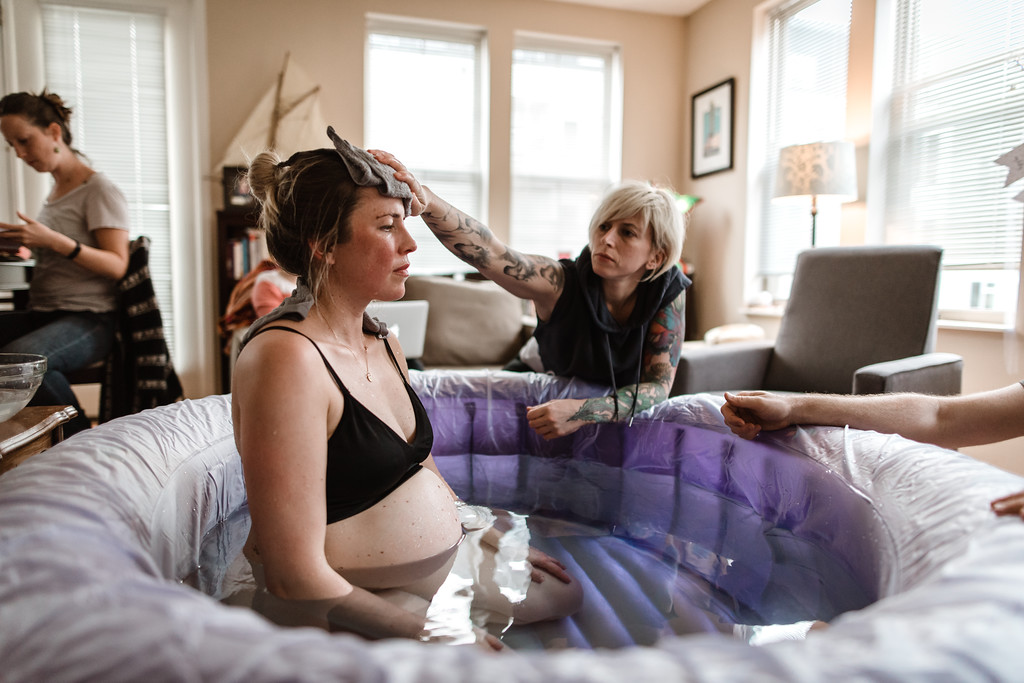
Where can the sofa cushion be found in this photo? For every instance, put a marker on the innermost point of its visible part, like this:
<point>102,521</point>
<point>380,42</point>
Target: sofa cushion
<point>471,323</point>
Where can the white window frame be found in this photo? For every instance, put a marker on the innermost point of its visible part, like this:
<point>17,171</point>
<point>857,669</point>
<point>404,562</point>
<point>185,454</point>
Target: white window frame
<point>195,337</point>
<point>761,172</point>
<point>596,185</point>
<point>431,256</point>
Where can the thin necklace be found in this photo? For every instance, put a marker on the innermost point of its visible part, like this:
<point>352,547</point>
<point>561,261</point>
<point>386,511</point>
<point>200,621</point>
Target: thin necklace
<point>366,350</point>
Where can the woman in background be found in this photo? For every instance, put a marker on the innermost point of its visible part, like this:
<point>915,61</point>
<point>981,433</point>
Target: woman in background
<point>353,527</point>
<point>80,244</point>
<point>612,316</point>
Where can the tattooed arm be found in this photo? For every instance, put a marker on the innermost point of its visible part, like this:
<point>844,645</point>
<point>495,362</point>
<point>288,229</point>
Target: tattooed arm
<point>528,276</point>
<point>562,417</point>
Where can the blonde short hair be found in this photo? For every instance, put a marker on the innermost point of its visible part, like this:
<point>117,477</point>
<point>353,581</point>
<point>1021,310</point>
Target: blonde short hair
<point>658,212</point>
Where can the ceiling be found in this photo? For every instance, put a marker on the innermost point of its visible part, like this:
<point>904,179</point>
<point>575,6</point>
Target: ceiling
<point>679,8</point>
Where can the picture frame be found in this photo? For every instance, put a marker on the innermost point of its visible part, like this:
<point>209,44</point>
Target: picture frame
<point>237,196</point>
<point>711,144</point>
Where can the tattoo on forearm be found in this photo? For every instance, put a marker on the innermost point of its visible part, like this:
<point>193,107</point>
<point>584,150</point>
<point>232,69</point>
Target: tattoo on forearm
<point>472,242</point>
<point>473,254</point>
<point>596,410</point>
<point>603,409</point>
<point>463,235</point>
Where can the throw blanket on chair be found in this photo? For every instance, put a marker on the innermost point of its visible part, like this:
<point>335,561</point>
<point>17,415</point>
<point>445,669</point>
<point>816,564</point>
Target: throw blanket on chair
<point>139,373</point>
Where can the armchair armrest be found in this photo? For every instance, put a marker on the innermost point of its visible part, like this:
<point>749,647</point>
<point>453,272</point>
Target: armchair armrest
<point>929,373</point>
<point>720,367</point>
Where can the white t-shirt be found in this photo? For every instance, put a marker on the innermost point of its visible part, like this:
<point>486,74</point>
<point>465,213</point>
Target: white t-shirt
<point>59,283</point>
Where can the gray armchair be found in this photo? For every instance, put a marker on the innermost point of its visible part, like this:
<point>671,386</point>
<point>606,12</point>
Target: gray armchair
<point>859,320</point>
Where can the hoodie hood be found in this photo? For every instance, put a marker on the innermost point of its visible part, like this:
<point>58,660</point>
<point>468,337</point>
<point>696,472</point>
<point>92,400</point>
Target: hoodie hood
<point>582,339</point>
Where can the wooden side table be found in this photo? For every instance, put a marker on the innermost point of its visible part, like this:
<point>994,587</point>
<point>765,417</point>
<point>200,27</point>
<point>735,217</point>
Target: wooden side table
<point>31,431</point>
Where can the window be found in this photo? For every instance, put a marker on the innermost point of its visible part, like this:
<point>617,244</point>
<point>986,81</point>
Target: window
<point>8,177</point>
<point>950,92</point>
<point>798,81</point>
<point>566,137</point>
<point>109,66</point>
<point>443,145</point>
<point>146,58</point>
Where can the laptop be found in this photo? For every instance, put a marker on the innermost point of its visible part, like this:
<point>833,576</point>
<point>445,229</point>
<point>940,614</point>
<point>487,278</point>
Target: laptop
<point>407,320</point>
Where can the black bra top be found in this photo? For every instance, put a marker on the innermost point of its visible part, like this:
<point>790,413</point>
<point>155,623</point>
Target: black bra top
<point>367,459</point>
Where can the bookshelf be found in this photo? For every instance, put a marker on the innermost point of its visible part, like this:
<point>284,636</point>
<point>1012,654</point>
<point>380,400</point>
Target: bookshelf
<point>239,248</point>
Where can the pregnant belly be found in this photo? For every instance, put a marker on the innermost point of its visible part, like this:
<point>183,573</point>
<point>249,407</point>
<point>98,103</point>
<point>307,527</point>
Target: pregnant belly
<point>403,538</point>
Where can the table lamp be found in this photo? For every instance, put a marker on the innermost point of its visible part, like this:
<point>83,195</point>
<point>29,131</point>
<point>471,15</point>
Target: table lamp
<point>817,169</point>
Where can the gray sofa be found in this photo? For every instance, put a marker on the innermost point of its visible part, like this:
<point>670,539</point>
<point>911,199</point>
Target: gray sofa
<point>471,324</point>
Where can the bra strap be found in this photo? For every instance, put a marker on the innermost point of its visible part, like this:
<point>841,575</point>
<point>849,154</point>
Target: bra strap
<point>394,360</point>
<point>327,363</point>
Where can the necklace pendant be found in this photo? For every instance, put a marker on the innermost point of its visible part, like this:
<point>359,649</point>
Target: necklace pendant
<point>369,378</point>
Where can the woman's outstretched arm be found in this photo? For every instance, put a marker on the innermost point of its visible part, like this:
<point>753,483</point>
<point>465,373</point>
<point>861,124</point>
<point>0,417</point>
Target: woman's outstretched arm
<point>528,276</point>
<point>562,417</point>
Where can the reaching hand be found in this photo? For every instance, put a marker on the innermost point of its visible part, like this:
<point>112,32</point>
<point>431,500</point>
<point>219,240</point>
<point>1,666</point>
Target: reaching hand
<point>748,413</point>
<point>555,418</point>
<point>1009,505</point>
<point>420,200</point>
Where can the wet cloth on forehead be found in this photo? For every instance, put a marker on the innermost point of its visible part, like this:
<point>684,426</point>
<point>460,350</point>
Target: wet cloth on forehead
<point>368,172</point>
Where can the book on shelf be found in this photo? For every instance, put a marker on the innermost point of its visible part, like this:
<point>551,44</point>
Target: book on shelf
<point>246,252</point>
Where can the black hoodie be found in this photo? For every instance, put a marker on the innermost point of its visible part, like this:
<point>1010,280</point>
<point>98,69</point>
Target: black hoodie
<point>582,339</point>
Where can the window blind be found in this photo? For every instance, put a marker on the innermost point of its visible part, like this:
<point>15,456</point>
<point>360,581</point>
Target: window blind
<point>807,51</point>
<point>566,131</point>
<point>108,66</point>
<point>443,146</point>
<point>957,104</point>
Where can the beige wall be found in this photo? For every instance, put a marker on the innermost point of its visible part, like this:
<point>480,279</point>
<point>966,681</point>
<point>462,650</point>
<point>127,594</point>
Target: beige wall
<point>718,46</point>
<point>247,40</point>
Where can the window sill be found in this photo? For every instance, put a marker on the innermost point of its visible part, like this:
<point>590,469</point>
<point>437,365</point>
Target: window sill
<point>943,324</point>
<point>763,311</point>
<point>972,326</point>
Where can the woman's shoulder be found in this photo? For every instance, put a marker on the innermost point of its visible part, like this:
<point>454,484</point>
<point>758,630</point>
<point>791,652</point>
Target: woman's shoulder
<point>280,342</point>
<point>280,352</point>
<point>104,202</point>
<point>101,182</point>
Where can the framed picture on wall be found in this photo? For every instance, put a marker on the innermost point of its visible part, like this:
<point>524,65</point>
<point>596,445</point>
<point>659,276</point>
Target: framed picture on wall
<point>712,116</point>
<point>236,189</point>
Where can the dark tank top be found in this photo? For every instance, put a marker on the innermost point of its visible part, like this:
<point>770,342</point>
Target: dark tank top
<point>367,459</point>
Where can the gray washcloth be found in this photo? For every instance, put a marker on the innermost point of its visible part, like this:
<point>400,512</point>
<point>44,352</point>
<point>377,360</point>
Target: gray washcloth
<point>368,172</point>
<point>296,307</point>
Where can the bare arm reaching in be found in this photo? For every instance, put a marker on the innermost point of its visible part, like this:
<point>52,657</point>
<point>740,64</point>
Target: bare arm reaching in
<point>947,421</point>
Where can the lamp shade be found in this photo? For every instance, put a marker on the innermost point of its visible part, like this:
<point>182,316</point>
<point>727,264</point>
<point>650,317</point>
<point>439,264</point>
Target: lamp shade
<point>818,169</point>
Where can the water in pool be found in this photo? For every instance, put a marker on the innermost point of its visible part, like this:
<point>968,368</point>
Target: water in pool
<point>654,557</point>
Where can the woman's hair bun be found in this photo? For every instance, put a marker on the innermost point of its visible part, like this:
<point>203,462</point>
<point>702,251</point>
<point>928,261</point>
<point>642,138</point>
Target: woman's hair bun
<point>264,176</point>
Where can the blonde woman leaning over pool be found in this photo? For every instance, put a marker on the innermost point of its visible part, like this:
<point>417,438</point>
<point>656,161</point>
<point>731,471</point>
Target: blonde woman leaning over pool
<point>612,316</point>
<point>353,527</point>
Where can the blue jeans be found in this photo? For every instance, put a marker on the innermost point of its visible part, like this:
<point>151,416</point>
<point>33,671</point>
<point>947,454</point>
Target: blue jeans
<point>70,340</point>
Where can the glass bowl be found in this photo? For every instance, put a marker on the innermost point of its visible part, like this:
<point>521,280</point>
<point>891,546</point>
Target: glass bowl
<point>20,377</point>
